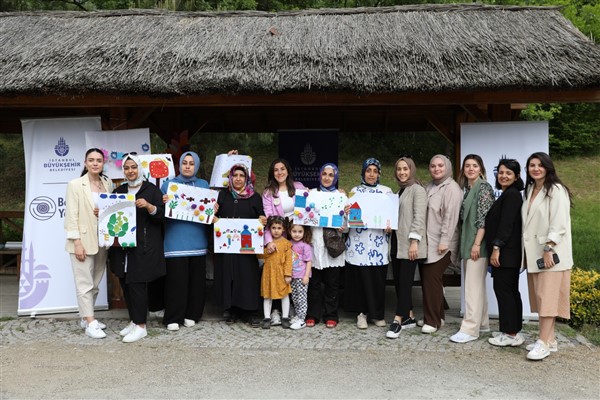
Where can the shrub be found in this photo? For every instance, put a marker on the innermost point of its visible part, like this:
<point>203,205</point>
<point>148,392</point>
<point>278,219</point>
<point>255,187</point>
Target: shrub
<point>585,298</point>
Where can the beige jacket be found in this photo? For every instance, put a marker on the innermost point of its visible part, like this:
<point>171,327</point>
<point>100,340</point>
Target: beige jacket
<point>547,219</point>
<point>443,211</point>
<point>411,221</point>
<point>80,221</point>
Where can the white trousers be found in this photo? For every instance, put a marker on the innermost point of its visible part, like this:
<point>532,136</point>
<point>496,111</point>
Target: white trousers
<point>87,275</point>
<point>476,307</point>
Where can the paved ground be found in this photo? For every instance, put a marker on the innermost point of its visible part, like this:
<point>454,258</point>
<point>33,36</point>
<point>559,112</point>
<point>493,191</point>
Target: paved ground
<point>50,357</point>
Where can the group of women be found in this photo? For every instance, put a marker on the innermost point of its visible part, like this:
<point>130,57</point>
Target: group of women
<point>438,224</point>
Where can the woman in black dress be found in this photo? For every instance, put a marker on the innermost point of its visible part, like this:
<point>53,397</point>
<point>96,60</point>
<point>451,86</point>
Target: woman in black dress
<point>237,276</point>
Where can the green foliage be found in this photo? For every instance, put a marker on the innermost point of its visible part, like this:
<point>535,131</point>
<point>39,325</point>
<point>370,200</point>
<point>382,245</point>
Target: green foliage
<point>118,224</point>
<point>172,204</point>
<point>585,298</point>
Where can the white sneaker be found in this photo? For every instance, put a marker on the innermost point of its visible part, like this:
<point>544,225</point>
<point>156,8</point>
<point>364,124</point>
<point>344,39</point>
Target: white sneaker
<point>173,327</point>
<point>298,324</point>
<point>83,323</point>
<point>539,352</point>
<point>484,329</point>
<point>188,323</point>
<point>428,329</point>
<point>380,322</point>
<point>136,334</point>
<point>127,329</point>
<point>275,318</point>
<point>93,330</point>
<point>552,346</point>
<point>503,340</point>
<point>361,321</point>
<point>421,322</point>
<point>461,337</point>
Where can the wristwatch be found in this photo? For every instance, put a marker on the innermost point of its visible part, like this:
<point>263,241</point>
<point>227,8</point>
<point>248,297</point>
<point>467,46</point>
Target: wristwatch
<point>496,248</point>
<point>548,248</point>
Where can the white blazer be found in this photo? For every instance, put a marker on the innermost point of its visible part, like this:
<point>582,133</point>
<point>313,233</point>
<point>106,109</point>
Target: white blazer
<point>80,221</point>
<point>547,219</point>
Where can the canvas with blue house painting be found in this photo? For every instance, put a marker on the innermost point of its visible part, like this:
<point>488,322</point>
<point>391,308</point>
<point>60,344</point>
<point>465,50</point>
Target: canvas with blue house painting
<point>322,209</point>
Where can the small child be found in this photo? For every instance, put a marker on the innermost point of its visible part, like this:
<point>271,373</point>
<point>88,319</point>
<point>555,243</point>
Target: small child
<point>301,269</point>
<point>277,273</point>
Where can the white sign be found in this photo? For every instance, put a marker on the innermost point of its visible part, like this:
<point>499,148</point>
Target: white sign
<point>223,163</point>
<point>493,141</point>
<point>115,144</point>
<point>315,208</point>
<point>190,203</point>
<point>239,236</point>
<point>373,210</point>
<point>54,154</point>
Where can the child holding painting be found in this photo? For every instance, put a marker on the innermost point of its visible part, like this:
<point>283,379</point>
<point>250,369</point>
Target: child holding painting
<point>277,273</point>
<point>301,268</point>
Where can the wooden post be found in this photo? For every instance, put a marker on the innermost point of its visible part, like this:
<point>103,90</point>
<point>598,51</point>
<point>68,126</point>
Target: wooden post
<point>117,120</point>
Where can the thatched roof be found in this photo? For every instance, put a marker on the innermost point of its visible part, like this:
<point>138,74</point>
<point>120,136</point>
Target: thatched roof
<point>429,48</point>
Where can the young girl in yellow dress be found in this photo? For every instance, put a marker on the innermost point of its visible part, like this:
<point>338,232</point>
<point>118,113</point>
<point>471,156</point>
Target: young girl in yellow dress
<point>277,273</point>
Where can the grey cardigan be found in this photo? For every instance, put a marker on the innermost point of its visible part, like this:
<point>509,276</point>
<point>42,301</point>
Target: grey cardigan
<point>411,221</point>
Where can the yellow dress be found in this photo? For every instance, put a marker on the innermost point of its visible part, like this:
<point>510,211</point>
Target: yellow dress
<point>277,266</point>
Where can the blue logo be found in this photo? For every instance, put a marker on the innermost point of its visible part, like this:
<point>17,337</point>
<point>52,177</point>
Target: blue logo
<point>62,148</point>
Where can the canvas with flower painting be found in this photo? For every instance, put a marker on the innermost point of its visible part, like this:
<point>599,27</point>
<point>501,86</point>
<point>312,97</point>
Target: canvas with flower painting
<point>189,203</point>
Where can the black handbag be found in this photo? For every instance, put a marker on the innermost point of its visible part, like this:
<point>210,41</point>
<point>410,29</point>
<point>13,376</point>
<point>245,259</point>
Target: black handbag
<point>334,242</point>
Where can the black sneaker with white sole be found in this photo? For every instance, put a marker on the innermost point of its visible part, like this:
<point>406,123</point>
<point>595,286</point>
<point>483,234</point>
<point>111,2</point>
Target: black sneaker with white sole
<point>409,323</point>
<point>394,330</point>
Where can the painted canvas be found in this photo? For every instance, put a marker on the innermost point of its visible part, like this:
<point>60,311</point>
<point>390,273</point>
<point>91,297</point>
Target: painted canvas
<point>115,144</point>
<point>189,203</point>
<point>223,163</point>
<point>373,210</point>
<point>116,220</point>
<point>323,209</point>
<point>239,236</point>
<point>157,167</point>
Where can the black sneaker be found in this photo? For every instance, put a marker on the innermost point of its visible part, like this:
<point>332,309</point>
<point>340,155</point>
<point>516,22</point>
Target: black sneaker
<point>409,323</point>
<point>394,330</point>
<point>266,323</point>
<point>285,323</point>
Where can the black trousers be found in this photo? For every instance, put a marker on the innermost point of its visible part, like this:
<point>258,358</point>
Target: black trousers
<point>323,296</point>
<point>156,294</point>
<point>185,289</point>
<point>365,290</point>
<point>404,276</point>
<point>510,306</point>
<point>136,297</point>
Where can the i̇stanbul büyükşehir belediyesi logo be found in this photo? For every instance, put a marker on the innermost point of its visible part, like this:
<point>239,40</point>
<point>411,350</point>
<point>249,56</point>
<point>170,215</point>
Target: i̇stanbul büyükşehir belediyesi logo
<point>62,148</point>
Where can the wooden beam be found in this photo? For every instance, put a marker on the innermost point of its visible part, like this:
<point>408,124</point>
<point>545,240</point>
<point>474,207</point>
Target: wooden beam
<point>476,112</point>
<point>499,112</point>
<point>443,127</point>
<point>314,99</point>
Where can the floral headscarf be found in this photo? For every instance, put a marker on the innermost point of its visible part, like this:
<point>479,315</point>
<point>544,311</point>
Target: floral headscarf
<point>366,164</point>
<point>248,186</point>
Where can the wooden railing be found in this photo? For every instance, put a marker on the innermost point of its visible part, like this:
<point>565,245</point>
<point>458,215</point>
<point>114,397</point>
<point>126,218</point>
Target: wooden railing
<point>10,257</point>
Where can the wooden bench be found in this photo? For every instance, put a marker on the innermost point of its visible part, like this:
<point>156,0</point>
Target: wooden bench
<point>10,256</point>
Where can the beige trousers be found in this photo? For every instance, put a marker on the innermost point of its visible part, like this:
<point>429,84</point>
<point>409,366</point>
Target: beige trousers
<point>476,308</point>
<point>87,275</point>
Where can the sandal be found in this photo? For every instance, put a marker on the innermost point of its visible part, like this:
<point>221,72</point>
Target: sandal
<point>310,322</point>
<point>331,323</point>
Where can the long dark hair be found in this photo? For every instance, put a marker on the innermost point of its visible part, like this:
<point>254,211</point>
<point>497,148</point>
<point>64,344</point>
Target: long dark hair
<point>551,178</point>
<point>515,167</point>
<point>273,185</point>
<point>87,153</point>
<point>462,179</point>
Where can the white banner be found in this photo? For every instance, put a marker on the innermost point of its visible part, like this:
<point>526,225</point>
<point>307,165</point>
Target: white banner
<point>493,141</point>
<point>54,154</point>
<point>115,144</point>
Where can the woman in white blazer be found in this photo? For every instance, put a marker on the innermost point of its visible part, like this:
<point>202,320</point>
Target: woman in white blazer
<point>88,260</point>
<point>546,236</point>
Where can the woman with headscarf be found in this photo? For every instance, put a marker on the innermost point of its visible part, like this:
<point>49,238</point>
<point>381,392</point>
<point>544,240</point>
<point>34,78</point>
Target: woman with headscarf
<point>323,287</point>
<point>186,245</point>
<point>137,266</point>
<point>367,258</point>
<point>237,277</point>
<point>411,241</point>
<point>444,199</point>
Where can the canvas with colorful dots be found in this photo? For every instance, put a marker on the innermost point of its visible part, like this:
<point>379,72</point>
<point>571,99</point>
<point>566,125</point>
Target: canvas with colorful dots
<point>189,203</point>
<point>116,220</point>
<point>157,167</point>
<point>238,236</point>
<point>323,209</point>
<point>223,163</point>
<point>373,210</point>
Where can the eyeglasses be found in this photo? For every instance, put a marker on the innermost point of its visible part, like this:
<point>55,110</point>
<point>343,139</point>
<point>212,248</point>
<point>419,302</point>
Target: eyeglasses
<point>131,153</point>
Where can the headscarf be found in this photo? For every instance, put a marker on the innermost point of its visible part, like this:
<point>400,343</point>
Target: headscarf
<point>336,173</point>
<point>412,177</point>
<point>140,178</point>
<point>448,168</point>
<point>248,186</point>
<point>192,178</point>
<point>366,164</point>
